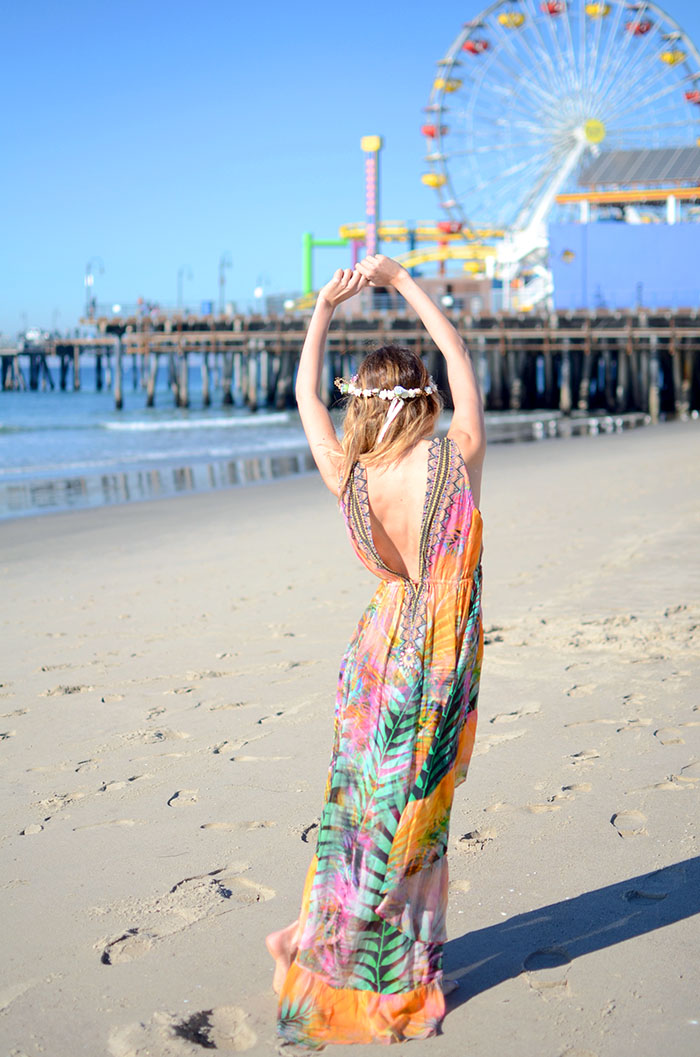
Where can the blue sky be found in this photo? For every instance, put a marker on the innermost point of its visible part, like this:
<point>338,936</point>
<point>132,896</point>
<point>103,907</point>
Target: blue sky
<point>160,135</point>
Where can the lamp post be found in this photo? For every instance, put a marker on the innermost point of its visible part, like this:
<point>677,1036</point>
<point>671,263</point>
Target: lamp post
<point>259,293</point>
<point>90,299</point>
<point>224,263</point>
<point>183,272</point>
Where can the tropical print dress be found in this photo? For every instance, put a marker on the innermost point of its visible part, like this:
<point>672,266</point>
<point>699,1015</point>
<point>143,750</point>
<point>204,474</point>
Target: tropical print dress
<point>369,963</point>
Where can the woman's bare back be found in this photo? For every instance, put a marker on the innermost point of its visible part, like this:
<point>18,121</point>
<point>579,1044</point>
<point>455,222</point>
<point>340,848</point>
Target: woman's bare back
<point>396,496</point>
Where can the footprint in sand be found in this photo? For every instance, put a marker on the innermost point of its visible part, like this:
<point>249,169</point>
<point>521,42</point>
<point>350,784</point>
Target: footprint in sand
<point>689,773</point>
<point>584,757</point>
<point>78,688</point>
<point>630,823</point>
<point>30,831</point>
<point>187,902</point>
<point>476,839</point>
<point>23,712</point>
<point>306,831</point>
<point>5,734</point>
<point>222,1028</point>
<point>581,689</point>
<point>206,675</point>
<point>539,809</point>
<point>575,787</point>
<point>657,885</point>
<point>87,765</point>
<point>460,886</point>
<point>153,712</point>
<point>511,717</point>
<point>108,787</point>
<point>182,797</point>
<point>231,704</point>
<point>59,800</point>
<point>150,736</point>
<point>669,736</point>
<point>547,969</point>
<point>233,746</point>
<point>111,822</point>
<point>258,759</point>
<point>486,743</point>
<point>262,823</point>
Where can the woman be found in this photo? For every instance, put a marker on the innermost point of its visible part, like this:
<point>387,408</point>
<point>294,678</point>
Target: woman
<point>363,963</point>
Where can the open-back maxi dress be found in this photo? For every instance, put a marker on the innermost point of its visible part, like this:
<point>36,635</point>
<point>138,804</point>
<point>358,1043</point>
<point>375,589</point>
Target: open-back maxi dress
<point>369,963</point>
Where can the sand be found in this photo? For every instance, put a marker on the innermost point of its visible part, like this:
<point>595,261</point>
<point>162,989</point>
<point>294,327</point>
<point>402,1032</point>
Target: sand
<point>168,675</point>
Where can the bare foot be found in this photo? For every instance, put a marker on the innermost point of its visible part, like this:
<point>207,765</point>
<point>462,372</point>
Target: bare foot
<point>449,985</point>
<point>282,945</point>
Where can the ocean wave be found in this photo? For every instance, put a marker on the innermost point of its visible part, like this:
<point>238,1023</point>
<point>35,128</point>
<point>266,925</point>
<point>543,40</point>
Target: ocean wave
<point>146,460</point>
<point>142,426</point>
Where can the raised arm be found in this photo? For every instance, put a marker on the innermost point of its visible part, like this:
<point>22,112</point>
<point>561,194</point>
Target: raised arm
<point>467,426</point>
<point>317,423</point>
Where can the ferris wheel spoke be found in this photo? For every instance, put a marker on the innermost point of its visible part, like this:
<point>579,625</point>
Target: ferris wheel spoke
<point>493,148</point>
<point>557,73</point>
<point>642,79</point>
<point>565,61</point>
<point>590,57</point>
<point>657,125</point>
<point>611,39</point>
<point>507,111</point>
<point>649,99</point>
<point>485,182</point>
<point>535,89</point>
<point>616,80</point>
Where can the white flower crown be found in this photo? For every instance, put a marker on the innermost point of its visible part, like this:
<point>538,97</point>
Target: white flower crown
<point>397,393</point>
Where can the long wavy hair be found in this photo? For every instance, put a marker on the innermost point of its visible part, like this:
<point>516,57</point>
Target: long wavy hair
<point>384,368</point>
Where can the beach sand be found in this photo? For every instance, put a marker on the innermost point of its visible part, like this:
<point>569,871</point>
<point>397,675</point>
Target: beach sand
<point>168,679</point>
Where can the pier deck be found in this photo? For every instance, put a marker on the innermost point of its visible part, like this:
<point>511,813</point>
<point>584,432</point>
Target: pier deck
<point>646,361</point>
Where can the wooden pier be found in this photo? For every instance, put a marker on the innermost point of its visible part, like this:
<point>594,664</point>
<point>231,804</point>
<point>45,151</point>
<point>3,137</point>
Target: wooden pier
<point>613,362</point>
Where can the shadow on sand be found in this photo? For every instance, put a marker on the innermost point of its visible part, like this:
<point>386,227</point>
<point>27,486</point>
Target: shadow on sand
<point>546,940</point>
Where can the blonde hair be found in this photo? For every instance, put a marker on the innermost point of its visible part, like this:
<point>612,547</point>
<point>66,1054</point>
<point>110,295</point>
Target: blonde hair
<point>385,368</point>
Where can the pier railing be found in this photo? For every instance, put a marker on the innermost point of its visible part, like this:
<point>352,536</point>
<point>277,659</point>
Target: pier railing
<point>646,362</point>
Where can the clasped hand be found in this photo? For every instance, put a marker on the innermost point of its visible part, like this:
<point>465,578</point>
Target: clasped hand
<point>375,270</point>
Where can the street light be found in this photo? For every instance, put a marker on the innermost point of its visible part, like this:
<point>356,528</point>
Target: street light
<point>259,292</point>
<point>224,263</point>
<point>183,272</point>
<point>90,299</point>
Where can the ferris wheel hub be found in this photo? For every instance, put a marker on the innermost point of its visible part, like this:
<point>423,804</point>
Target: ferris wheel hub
<point>594,130</point>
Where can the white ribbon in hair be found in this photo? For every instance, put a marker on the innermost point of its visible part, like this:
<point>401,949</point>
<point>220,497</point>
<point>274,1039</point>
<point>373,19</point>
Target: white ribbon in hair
<point>394,408</point>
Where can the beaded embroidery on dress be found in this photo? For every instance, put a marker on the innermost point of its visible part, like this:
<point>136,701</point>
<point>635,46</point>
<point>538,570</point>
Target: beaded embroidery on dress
<point>369,963</point>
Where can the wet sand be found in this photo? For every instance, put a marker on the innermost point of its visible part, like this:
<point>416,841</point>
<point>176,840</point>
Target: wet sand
<point>167,692</point>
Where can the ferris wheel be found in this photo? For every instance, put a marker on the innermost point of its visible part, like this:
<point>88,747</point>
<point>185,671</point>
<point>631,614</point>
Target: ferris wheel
<point>530,91</point>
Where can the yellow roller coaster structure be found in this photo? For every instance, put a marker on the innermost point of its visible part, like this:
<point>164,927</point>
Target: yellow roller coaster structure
<point>457,244</point>
<point>421,231</point>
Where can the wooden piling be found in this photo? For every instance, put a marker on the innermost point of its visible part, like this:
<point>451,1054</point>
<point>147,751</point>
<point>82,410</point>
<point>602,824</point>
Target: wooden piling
<point>76,368</point>
<point>206,395</point>
<point>184,387</point>
<point>152,380</point>
<point>565,379</point>
<point>118,398</point>
<point>654,378</point>
<point>227,379</point>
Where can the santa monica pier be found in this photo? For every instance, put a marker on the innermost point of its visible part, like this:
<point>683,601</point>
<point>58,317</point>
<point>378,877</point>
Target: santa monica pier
<point>562,140</point>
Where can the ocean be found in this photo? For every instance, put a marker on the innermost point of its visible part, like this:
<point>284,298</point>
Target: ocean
<point>63,450</point>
